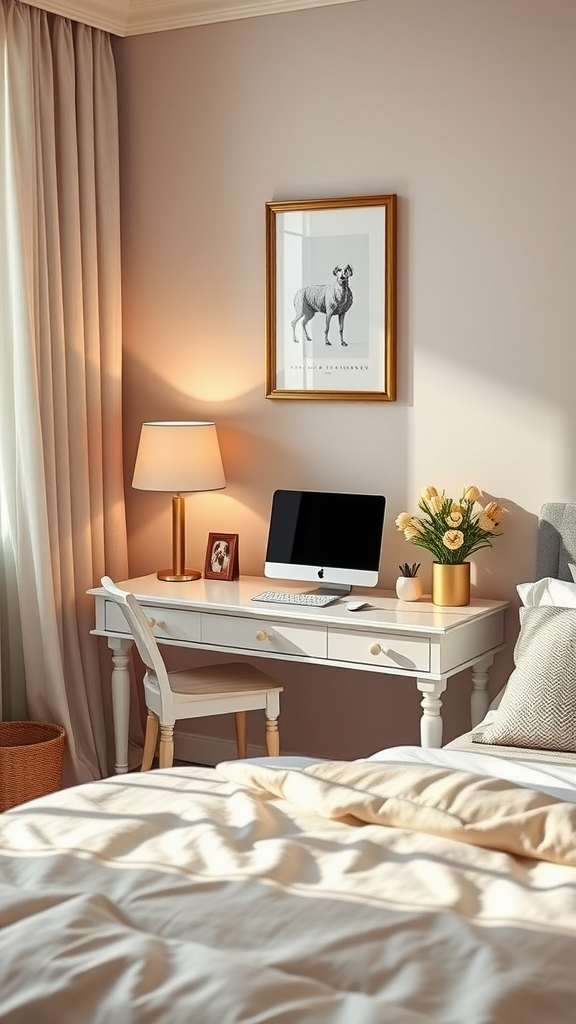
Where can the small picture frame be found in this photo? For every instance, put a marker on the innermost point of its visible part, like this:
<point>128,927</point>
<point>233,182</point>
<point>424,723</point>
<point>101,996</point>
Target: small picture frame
<point>222,557</point>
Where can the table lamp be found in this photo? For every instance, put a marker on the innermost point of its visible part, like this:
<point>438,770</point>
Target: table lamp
<point>178,456</point>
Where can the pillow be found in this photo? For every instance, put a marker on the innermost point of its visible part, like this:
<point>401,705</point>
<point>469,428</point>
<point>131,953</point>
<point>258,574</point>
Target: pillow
<point>538,706</point>
<point>549,591</point>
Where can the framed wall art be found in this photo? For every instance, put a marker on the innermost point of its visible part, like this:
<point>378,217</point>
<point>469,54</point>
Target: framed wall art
<point>221,557</point>
<point>331,299</point>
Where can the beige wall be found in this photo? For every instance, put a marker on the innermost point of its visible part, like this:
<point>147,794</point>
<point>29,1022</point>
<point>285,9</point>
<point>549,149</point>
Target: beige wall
<point>466,111</point>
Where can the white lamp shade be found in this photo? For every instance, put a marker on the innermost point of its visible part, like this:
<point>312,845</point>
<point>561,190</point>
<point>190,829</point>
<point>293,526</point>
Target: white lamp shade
<point>178,456</point>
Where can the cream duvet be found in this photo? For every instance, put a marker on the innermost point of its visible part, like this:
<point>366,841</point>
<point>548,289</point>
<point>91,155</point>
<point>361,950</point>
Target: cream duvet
<point>337,893</point>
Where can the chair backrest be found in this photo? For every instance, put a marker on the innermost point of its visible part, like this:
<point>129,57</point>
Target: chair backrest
<point>143,636</point>
<point>556,545</point>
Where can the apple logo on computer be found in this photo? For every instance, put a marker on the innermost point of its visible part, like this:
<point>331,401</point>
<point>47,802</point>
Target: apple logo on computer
<point>320,574</point>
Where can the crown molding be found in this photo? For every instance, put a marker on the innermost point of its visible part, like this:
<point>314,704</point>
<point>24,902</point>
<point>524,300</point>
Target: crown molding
<point>109,15</point>
<point>139,17</point>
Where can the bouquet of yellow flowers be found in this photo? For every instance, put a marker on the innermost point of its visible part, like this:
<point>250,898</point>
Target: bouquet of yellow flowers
<point>452,530</point>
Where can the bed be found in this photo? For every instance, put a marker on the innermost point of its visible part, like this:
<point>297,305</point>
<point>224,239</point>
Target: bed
<point>405,890</point>
<point>410,887</point>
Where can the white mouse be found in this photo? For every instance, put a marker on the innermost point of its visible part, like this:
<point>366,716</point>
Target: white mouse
<point>355,606</point>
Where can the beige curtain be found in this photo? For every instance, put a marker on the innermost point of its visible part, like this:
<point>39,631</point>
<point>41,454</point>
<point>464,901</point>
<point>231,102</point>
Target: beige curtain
<point>60,388</point>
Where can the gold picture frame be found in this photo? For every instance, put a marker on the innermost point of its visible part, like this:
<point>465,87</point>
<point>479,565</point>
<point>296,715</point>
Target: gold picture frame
<point>221,557</point>
<point>335,258</point>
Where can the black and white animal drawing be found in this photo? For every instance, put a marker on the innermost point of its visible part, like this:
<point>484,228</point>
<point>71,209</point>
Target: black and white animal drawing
<point>334,298</point>
<point>220,556</point>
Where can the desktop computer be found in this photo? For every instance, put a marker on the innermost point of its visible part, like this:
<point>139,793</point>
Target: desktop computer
<point>332,539</point>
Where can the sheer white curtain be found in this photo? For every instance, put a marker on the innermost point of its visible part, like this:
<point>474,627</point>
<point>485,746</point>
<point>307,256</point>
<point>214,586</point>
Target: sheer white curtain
<point>61,485</point>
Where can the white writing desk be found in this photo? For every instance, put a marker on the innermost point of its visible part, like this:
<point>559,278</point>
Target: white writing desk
<point>414,639</point>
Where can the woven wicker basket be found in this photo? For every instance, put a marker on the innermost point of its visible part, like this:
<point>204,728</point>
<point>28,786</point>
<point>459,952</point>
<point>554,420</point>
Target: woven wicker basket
<point>31,757</point>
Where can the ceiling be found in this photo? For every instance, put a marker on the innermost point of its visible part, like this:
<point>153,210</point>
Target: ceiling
<point>137,17</point>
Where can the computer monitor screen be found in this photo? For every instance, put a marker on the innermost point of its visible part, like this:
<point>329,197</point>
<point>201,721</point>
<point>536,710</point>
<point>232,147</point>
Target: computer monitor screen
<point>332,539</point>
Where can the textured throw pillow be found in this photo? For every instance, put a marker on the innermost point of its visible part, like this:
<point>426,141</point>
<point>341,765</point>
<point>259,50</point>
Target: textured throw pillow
<point>538,707</point>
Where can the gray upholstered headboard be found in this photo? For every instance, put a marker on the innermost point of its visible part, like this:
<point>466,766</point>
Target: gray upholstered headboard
<point>556,545</point>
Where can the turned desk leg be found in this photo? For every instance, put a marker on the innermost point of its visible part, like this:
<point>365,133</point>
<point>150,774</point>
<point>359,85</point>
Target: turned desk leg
<point>479,696</point>
<point>431,704</point>
<point>120,700</point>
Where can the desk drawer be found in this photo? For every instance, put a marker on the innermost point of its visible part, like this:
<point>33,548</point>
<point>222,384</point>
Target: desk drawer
<point>261,635</point>
<point>167,623</point>
<point>384,649</point>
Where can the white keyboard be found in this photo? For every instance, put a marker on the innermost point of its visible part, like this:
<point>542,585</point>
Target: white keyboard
<point>285,597</point>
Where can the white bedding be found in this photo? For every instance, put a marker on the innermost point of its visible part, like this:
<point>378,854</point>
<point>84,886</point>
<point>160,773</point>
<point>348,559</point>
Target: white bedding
<point>558,780</point>
<point>212,897</point>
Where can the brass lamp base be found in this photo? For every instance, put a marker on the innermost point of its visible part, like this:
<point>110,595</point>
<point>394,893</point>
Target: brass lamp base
<point>169,576</point>
<point>178,573</point>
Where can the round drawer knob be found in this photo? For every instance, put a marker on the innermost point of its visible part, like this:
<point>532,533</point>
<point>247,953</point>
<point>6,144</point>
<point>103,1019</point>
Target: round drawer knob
<point>151,623</point>
<point>375,649</point>
<point>262,635</point>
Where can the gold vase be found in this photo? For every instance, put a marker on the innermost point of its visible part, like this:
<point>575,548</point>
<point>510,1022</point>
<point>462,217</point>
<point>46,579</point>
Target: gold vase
<point>451,584</point>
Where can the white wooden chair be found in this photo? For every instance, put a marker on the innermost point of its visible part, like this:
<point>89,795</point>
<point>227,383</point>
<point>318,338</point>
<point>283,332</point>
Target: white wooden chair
<point>194,693</point>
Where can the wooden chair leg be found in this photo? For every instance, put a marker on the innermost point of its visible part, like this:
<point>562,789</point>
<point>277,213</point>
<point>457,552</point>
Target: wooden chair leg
<point>150,739</point>
<point>240,727</point>
<point>166,755</point>
<point>272,737</point>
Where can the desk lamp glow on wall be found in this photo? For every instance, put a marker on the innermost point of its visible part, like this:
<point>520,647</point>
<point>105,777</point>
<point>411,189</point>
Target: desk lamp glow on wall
<point>179,457</point>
